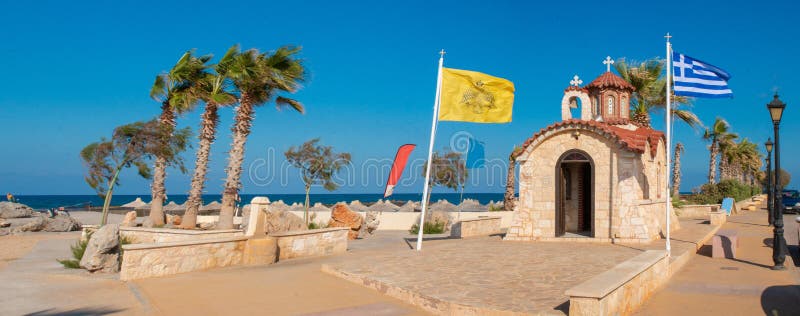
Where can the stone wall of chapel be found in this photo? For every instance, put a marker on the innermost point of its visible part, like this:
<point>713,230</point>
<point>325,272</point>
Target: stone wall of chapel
<point>535,213</point>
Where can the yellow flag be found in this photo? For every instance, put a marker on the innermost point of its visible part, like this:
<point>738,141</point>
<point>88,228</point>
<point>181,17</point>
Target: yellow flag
<point>470,96</point>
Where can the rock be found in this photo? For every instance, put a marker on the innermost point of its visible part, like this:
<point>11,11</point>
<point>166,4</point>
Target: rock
<point>102,252</point>
<point>129,220</point>
<point>33,226</point>
<point>277,221</point>
<point>15,210</point>
<point>207,226</point>
<point>4,224</point>
<point>370,225</point>
<point>61,223</point>
<point>213,206</point>
<point>147,223</point>
<point>175,220</point>
<point>342,216</point>
<point>438,216</point>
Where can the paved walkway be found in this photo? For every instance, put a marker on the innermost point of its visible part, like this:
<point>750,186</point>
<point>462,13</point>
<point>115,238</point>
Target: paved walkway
<point>742,286</point>
<point>38,285</point>
<point>488,274</point>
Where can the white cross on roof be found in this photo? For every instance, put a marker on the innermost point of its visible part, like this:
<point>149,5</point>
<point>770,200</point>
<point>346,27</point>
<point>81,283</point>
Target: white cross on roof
<point>608,62</point>
<point>575,81</point>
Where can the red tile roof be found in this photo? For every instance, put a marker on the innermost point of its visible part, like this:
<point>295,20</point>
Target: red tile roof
<point>610,80</point>
<point>633,140</point>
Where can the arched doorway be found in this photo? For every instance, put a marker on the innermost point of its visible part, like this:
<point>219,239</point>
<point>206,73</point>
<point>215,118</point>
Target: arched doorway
<point>574,195</point>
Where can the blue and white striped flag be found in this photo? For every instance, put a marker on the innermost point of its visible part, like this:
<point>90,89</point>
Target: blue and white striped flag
<point>694,78</point>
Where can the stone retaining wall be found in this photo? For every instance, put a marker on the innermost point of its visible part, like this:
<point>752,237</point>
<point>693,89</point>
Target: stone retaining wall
<point>482,226</point>
<point>167,258</point>
<point>141,235</point>
<point>622,289</point>
<point>696,211</point>
<point>311,243</point>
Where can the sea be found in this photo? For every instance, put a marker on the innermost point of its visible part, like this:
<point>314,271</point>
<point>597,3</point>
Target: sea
<point>82,201</point>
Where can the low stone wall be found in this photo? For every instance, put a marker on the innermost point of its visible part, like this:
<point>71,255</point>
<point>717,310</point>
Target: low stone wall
<point>311,243</point>
<point>167,258</point>
<point>404,220</point>
<point>141,235</point>
<point>696,211</point>
<point>622,289</point>
<point>482,226</point>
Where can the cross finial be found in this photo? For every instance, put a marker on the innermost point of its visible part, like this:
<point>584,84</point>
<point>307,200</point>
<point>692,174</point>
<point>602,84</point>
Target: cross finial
<point>442,53</point>
<point>575,81</point>
<point>608,62</point>
<point>667,37</point>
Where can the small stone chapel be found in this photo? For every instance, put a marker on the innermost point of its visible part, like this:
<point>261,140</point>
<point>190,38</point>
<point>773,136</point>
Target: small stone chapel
<point>597,175</point>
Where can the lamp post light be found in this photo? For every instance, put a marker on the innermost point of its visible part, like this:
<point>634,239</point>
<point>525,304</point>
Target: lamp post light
<point>770,190</point>
<point>778,242</point>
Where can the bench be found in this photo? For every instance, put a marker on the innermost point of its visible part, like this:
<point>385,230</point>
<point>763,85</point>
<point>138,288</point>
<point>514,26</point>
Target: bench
<point>724,244</point>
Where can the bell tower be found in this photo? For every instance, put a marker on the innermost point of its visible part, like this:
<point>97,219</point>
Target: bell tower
<point>610,95</point>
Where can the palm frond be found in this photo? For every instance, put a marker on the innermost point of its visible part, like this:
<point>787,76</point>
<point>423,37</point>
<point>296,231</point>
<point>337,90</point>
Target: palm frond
<point>284,102</point>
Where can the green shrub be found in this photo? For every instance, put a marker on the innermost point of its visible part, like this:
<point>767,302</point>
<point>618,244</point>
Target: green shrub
<point>713,193</point>
<point>428,228</point>
<point>77,253</point>
<point>79,248</point>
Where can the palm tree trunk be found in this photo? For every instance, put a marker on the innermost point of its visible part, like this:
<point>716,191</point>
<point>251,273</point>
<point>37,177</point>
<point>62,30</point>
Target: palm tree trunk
<point>712,164</point>
<point>676,170</point>
<point>167,120</point>
<point>107,198</point>
<point>724,168</point>
<point>241,129</point>
<point>508,197</point>
<point>208,127</point>
<point>305,211</point>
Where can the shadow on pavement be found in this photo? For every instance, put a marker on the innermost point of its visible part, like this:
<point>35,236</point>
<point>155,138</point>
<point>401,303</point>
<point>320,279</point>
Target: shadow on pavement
<point>89,311</point>
<point>781,300</point>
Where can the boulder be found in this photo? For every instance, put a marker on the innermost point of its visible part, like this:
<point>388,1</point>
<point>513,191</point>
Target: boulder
<point>207,225</point>
<point>370,225</point>
<point>438,216</point>
<point>129,220</point>
<point>15,210</point>
<point>342,216</point>
<point>147,223</point>
<point>41,223</point>
<point>4,224</point>
<point>213,206</point>
<point>276,221</point>
<point>318,207</point>
<point>61,223</point>
<point>102,252</point>
<point>175,220</point>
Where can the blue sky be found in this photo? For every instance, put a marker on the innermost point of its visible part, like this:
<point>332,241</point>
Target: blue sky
<point>74,70</point>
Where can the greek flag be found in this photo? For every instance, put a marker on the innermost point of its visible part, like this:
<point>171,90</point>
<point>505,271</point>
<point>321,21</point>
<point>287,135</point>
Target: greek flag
<point>694,78</point>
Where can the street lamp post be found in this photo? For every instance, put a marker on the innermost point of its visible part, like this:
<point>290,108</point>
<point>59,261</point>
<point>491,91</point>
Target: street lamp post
<point>770,190</point>
<point>778,242</point>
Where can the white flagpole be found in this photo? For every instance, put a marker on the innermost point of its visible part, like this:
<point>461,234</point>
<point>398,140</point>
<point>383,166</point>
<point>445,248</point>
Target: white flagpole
<point>426,190</point>
<point>669,137</point>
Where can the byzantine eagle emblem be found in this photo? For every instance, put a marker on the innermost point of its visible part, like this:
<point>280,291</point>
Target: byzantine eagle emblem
<point>477,99</point>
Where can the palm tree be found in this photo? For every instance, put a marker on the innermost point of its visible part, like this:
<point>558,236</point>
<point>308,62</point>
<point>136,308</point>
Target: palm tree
<point>676,170</point>
<point>213,89</point>
<point>651,92</point>
<point>508,197</point>
<point>258,78</point>
<point>719,131</point>
<point>176,92</point>
<point>728,162</point>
